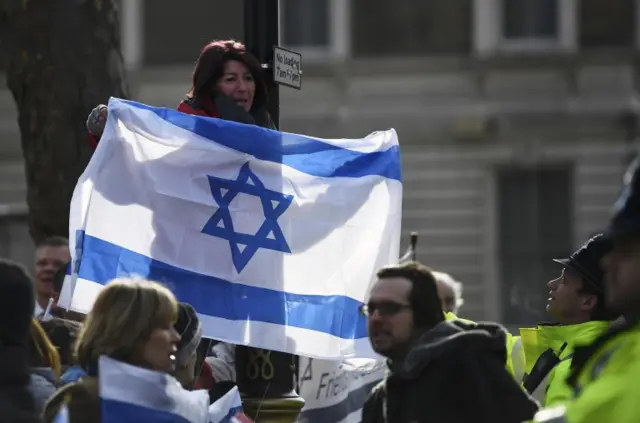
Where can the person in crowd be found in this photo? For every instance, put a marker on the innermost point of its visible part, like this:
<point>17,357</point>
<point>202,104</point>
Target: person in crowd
<point>51,255</point>
<point>449,292</point>
<point>226,83</point>
<point>190,369</point>
<point>441,371</point>
<point>45,366</point>
<point>222,361</point>
<point>63,334</point>
<point>604,376</point>
<point>577,304</point>
<point>131,321</point>
<point>17,302</point>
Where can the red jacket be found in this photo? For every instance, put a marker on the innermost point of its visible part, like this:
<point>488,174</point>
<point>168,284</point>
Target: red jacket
<point>206,379</point>
<point>186,106</point>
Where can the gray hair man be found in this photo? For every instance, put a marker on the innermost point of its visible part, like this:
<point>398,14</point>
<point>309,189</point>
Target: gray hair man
<point>449,291</point>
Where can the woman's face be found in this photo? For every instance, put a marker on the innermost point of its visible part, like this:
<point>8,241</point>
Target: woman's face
<point>157,352</point>
<point>237,83</point>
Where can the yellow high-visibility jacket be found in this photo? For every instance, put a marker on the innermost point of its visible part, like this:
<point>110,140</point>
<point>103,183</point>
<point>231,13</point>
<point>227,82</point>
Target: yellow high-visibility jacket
<point>607,382</point>
<point>554,389</point>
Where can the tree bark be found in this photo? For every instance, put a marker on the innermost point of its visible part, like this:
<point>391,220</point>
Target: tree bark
<point>62,58</point>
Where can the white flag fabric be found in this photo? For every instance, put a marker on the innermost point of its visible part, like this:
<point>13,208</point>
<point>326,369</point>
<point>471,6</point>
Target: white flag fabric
<point>274,238</point>
<point>335,391</point>
<point>130,394</point>
<point>227,409</point>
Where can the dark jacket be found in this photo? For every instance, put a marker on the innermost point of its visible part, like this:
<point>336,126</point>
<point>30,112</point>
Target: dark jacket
<point>453,373</point>
<point>16,402</point>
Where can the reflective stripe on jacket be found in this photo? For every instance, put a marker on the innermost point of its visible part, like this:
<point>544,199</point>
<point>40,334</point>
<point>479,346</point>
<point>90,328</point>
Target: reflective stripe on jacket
<point>606,383</point>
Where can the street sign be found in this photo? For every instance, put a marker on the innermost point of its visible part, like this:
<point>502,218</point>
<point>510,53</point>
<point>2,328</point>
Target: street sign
<point>286,68</point>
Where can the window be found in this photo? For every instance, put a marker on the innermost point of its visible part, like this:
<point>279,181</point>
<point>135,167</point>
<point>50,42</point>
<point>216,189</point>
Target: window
<point>175,33</point>
<point>607,24</point>
<point>411,27</point>
<point>535,226</point>
<point>305,23</point>
<point>524,26</point>
<point>315,28</point>
<point>530,19</point>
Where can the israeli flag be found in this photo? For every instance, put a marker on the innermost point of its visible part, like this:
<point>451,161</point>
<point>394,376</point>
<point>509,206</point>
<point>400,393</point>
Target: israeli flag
<point>130,394</point>
<point>227,409</point>
<point>273,237</point>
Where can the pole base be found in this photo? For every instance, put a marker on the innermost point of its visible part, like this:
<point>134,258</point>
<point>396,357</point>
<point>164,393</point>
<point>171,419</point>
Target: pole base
<point>273,410</point>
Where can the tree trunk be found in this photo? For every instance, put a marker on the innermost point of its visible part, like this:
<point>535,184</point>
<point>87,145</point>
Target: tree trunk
<point>62,58</point>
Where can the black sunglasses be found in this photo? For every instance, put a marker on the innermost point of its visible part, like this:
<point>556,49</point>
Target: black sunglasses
<point>384,308</point>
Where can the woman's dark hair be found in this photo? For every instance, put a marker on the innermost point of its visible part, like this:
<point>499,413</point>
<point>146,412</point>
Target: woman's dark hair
<point>210,66</point>
<point>424,300</point>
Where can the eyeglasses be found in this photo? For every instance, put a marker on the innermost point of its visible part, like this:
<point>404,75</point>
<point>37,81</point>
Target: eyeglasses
<point>384,308</point>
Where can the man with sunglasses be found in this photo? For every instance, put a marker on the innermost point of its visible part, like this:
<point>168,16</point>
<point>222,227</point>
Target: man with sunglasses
<point>439,371</point>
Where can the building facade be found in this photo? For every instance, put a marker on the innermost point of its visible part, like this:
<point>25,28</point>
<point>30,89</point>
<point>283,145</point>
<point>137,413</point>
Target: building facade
<point>516,118</point>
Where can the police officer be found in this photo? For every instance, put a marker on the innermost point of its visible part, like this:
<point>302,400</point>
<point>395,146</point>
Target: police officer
<point>577,305</point>
<point>606,374</point>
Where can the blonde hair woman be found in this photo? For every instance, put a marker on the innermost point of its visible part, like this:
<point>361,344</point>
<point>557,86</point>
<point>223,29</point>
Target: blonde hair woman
<point>131,321</point>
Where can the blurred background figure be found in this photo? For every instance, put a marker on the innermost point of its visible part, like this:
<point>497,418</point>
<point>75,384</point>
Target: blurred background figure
<point>45,366</point>
<point>132,322</point>
<point>17,300</point>
<point>51,255</point>
<point>63,335</point>
<point>190,369</point>
<point>449,291</point>
<point>436,365</point>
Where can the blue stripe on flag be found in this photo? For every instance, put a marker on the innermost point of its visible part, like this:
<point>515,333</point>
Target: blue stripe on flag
<point>231,414</point>
<point>336,315</point>
<point>122,412</point>
<point>306,154</point>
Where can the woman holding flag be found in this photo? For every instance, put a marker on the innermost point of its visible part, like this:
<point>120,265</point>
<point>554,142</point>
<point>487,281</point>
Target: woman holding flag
<point>226,84</point>
<point>131,322</point>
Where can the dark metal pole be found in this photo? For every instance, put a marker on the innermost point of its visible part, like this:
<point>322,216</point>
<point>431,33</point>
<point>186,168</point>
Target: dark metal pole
<point>261,34</point>
<point>266,379</point>
<point>414,246</point>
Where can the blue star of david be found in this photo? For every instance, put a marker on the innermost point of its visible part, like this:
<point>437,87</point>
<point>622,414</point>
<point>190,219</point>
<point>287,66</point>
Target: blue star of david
<point>269,236</point>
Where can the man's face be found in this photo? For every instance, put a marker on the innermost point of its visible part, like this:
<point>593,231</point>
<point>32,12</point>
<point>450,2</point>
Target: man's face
<point>390,322</point>
<point>622,277</point>
<point>447,297</point>
<point>565,302</point>
<point>48,260</point>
